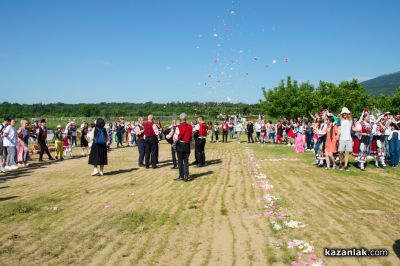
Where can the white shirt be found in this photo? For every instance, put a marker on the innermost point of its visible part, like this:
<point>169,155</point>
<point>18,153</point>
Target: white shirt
<point>11,139</point>
<point>258,127</point>
<point>345,129</point>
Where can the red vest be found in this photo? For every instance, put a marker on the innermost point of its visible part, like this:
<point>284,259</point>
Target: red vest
<point>225,127</point>
<point>185,132</point>
<point>148,129</point>
<point>140,136</point>
<point>203,130</point>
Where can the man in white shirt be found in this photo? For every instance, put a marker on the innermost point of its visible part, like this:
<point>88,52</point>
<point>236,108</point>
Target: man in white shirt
<point>345,140</point>
<point>10,139</point>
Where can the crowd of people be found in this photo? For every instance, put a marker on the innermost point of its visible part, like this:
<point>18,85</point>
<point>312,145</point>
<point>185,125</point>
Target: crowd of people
<point>333,138</point>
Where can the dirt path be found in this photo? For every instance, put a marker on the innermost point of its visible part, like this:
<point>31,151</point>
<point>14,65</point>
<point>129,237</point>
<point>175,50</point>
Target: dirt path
<point>58,214</point>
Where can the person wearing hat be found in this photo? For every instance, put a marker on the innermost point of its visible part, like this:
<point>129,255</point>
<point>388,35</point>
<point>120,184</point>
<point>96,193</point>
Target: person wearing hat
<point>22,144</point>
<point>58,141</point>
<point>41,134</point>
<point>345,139</point>
<point>182,138</point>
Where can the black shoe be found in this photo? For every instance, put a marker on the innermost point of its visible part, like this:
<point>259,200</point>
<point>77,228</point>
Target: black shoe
<point>40,160</point>
<point>141,165</point>
<point>154,167</point>
<point>187,179</point>
<point>51,159</point>
<point>62,158</point>
<point>56,158</point>
<point>147,167</point>
<point>178,178</point>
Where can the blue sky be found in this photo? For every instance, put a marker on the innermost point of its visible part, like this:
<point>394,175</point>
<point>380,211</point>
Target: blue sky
<point>162,51</point>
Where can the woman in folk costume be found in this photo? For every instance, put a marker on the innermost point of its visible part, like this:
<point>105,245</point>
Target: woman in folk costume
<point>263,131</point>
<point>366,130</point>
<point>356,136</point>
<point>320,145</point>
<point>378,141</point>
<point>291,134</point>
<point>22,144</point>
<point>299,142</point>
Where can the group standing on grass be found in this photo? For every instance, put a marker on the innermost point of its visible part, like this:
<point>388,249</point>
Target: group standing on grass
<point>332,138</point>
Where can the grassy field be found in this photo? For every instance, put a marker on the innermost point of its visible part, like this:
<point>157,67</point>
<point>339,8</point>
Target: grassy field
<point>57,213</point>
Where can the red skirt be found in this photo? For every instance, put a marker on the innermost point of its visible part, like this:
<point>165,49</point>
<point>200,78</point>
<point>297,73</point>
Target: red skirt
<point>291,134</point>
<point>374,147</point>
<point>356,146</point>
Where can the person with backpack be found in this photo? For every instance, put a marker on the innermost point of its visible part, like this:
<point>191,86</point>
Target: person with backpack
<point>98,152</point>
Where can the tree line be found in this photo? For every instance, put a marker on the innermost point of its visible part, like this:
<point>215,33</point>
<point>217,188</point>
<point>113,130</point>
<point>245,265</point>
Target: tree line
<point>291,99</point>
<point>210,109</point>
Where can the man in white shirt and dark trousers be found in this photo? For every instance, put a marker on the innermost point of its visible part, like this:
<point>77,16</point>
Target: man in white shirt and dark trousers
<point>151,133</point>
<point>10,139</point>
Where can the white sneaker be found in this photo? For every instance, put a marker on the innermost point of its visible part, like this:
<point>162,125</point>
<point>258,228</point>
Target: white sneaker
<point>95,172</point>
<point>101,173</point>
<point>2,169</point>
<point>14,167</point>
<point>19,164</point>
<point>7,168</point>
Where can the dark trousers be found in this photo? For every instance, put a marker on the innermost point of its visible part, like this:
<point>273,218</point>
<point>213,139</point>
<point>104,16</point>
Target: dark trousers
<point>142,150</point>
<point>258,134</point>
<point>173,154</point>
<point>183,152</point>
<point>224,136</point>
<point>151,151</point>
<point>43,149</point>
<point>250,138</point>
<point>200,153</point>
<point>119,137</point>
<point>309,137</point>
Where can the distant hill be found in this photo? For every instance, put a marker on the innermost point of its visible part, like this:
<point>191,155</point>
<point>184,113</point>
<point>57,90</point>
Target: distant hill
<point>385,84</point>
